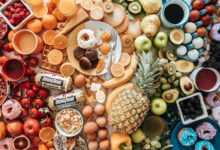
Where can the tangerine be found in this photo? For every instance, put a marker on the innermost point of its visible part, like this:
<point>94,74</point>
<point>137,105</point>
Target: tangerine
<point>105,48</point>
<point>49,22</point>
<point>60,42</point>
<point>47,134</point>
<point>35,25</point>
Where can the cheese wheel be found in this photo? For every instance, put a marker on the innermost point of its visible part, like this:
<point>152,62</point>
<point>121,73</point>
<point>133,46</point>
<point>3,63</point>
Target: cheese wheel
<point>55,57</point>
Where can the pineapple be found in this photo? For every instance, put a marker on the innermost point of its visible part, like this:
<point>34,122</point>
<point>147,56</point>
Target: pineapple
<point>129,109</point>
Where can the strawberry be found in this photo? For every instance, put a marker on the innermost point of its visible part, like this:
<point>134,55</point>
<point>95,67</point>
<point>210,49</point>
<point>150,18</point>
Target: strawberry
<point>47,122</point>
<point>43,112</point>
<point>31,93</point>
<point>35,88</point>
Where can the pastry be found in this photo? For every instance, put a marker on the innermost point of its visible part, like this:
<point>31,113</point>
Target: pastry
<point>86,39</point>
<point>187,136</point>
<point>206,131</point>
<point>79,53</point>
<point>213,99</point>
<point>11,109</point>
<point>204,145</point>
<point>85,63</point>
<point>95,63</point>
<point>91,54</point>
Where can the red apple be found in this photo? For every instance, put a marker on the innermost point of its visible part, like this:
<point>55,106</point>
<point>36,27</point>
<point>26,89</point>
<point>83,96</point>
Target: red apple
<point>31,127</point>
<point>38,103</point>
<point>210,9</point>
<point>15,128</point>
<point>198,4</point>
<point>194,15</point>
<point>206,20</point>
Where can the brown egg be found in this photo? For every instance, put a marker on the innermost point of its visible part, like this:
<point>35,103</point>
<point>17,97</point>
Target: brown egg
<point>90,127</point>
<point>79,80</point>
<point>104,145</point>
<point>91,137</point>
<point>93,145</point>
<point>103,134</point>
<point>101,121</point>
<point>99,109</point>
<point>87,111</point>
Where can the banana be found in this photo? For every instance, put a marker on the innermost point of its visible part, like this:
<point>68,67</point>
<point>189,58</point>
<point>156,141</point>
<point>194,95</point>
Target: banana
<point>129,72</point>
<point>113,95</point>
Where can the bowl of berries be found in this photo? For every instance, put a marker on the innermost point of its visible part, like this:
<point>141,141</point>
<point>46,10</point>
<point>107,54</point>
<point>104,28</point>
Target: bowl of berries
<point>191,108</point>
<point>16,13</point>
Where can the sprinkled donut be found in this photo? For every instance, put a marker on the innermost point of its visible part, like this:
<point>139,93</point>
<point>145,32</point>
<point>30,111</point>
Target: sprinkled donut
<point>187,136</point>
<point>201,145</point>
<point>6,144</point>
<point>11,109</point>
<point>213,99</point>
<point>206,131</point>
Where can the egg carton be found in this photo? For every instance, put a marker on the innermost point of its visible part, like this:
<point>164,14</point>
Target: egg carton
<point>22,23</point>
<point>44,61</point>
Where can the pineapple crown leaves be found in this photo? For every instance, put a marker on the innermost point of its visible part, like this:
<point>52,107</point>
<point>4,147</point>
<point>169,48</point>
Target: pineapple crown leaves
<point>147,73</point>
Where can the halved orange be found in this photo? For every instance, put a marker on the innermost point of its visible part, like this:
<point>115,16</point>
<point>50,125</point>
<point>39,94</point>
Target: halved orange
<point>40,11</point>
<point>60,42</point>
<point>100,66</point>
<point>49,37</point>
<point>47,134</point>
<point>125,59</point>
<point>117,70</point>
<point>55,57</point>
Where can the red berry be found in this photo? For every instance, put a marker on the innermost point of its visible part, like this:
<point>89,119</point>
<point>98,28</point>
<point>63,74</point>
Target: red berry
<point>25,84</point>
<point>38,103</point>
<point>43,93</point>
<point>24,113</point>
<point>25,102</point>
<point>12,21</point>
<point>18,10</point>
<point>30,72</point>
<point>31,93</point>
<point>35,87</point>
<point>12,10</point>
<point>33,61</point>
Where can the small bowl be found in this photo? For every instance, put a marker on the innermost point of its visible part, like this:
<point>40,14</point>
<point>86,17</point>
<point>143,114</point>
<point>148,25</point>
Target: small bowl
<point>203,107</point>
<point>23,22</point>
<point>63,132</point>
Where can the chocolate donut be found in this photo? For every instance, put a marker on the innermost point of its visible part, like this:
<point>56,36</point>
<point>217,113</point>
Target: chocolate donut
<point>91,54</point>
<point>6,144</point>
<point>204,145</point>
<point>187,136</point>
<point>85,63</point>
<point>79,53</point>
<point>206,131</point>
<point>213,99</point>
<point>11,109</point>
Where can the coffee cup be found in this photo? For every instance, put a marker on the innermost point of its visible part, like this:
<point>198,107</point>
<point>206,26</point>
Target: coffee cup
<point>205,79</point>
<point>174,13</point>
<point>13,69</point>
<point>26,42</point>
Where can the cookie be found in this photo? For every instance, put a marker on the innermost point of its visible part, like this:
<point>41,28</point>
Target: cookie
<point>91,54</point>
<point>79,53</point>
<point>85,63</point>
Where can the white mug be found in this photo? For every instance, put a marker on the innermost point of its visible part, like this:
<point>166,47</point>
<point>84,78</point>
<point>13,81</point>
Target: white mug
<point>186,13</point>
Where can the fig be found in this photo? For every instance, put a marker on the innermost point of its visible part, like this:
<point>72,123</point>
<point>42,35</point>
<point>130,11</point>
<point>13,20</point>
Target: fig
<point>215,32</point>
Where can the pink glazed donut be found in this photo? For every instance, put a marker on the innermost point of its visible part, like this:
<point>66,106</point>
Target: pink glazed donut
<point>206,131</point>
<point>213,99</point>
<point>11,109</point>
<point>6,144</point>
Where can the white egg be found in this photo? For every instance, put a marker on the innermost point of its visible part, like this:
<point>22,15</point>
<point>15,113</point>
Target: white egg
<point>193,54</point>
<point>190,27</point>
<point>187,38</point>
<point>181,50</point>
<point>198,43</point>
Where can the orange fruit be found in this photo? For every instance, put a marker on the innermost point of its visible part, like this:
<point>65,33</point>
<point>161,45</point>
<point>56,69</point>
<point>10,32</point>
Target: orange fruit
<point>49,37</point>
<point>34,25</point>
<point>100,66</point>
<point>106,36</point>
<point>60,42</point>
<point>55,57</point>
<point>47,134</point>
<point>40,11</point>
<point>50,5</point>
<point>58,15</point>
<point>97,13</point>
<point>105,48</point>
<point>49,22</point>
<point>67,69</point>
<point>50,144</point>
<point>34,2</point>
<point>117,70</point>
<point>42,146</point>
<point>125,59</point>
<point>35,140</point>
<point>67,7</point>
<point>11,35</point>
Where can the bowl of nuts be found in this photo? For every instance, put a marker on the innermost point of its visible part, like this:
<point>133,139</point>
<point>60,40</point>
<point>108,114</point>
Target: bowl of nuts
<point>69,122</point>
<point>4,89</point>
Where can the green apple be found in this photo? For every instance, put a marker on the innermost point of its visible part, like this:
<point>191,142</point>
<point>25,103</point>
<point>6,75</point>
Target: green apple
<point>143,43</point>
<point>138,136</point>
<point>161,40</point>
<point>158,106</point>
